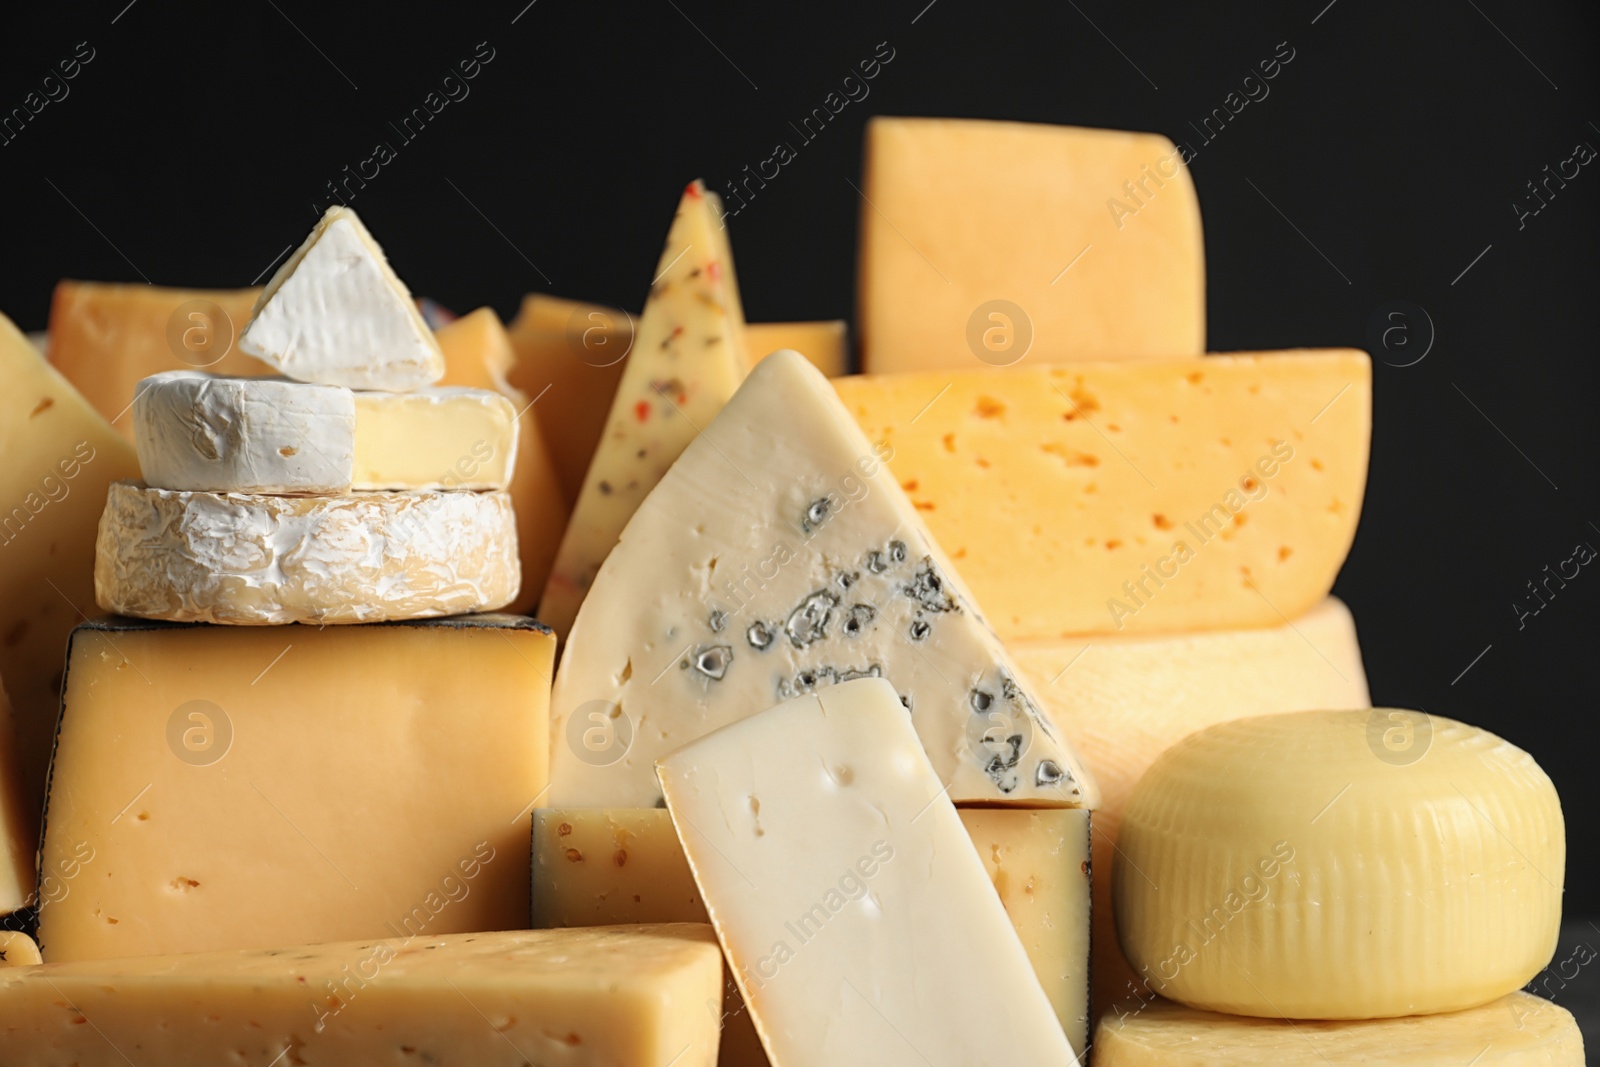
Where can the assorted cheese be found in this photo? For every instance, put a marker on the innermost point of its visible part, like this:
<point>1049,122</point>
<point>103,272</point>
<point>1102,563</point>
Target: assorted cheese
<point>1518,1030</point>
<point>777,557</point>
<point>336,314</point>
<point>1340,865</point>
<point>577,998</point>
<point>858,920</point>
<point>999,241</point>
<point>1140,497</point>
<point>688,358</point>
<point>1125,700</point>
<point>249,787</point>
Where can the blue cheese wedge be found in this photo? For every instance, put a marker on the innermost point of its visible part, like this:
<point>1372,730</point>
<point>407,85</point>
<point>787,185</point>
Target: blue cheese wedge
<point>777,557</point>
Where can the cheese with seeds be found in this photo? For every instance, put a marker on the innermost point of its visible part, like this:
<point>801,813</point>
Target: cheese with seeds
<point>336,314</point>
<point>778,557</point>
<point>251,559</point>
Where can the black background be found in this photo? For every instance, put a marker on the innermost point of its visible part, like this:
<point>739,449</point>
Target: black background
<point>197,144</point>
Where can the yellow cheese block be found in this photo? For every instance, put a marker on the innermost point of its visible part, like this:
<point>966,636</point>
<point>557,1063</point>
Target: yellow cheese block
<point>244,787</point>
<point>106,337</point>
<point>688,359</point>
<point>999,241</point>
<point>1125,700</point>
<point>60,457</point>
<point>825,344</point>
<point>17,949</point>
<point>569,358</point>
<point>1152,496</point>
<point>1340,865</point>
<point>478,354</point>
<point>577,998</point>
<point>599,866</point>
<point>1518,1030</point>
<point>19,835</point>
<point>1039,864</point>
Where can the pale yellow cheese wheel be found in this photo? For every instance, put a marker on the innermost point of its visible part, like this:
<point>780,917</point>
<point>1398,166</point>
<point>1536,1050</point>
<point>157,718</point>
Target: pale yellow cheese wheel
<point>1518,1030</point>
<point>1340,865</point>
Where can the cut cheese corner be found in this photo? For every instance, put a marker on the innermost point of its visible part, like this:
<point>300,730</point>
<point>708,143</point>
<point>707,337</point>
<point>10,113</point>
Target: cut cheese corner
<point>336,314</point>
<point>778,556</point>
<point>687,359</point>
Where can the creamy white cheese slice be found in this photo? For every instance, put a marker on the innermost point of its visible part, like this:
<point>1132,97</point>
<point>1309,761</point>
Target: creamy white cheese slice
<point>776,557</point>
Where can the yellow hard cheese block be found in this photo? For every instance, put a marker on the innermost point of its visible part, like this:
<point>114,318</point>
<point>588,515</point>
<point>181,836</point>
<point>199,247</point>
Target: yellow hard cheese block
<point>823,343</point>
<point>1125,700</point>
<point>1340,865</point>
<point>59,459</point>
<point>245,787</point>
<point>1518,1030</point>
<point>999,241</point>
<point>17,949</point>
<point>18,820</point>
<point>570,356</point>
<point>860,923</point>
<point>688,359</point>
<point>577,998</point>
<point>107,337</point>
<point>597,866</point>
<point>478,354</point>
<point>1158,495</point>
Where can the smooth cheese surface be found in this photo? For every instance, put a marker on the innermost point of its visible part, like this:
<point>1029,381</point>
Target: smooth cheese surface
<point>19,826</point>
<point>562,998</point>
<point>688,358</point>
<point>1039,864</point>
<point>1340,865</point>
<point>777,557</point>
<point>571,354</point>
<point>246,787</point>
<point>478,354</point>
<point>17,949</point>
<point>859,921</point>
<point>198,431</point>
<point>1091,238</point>
<point>107,337</point>
<point>1153,496</point>
<point>1125,700</point>
<point>442,437</point>
<point>336,314</point>
<point>249,559</point>
<point>825,344</point>
<point>59,458</point>
<point>1518,1030</point>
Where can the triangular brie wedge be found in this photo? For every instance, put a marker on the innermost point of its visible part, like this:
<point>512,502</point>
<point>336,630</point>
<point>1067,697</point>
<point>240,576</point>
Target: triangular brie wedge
<point>336,314</point>
<point>687,359</point>
<point>779,556</point>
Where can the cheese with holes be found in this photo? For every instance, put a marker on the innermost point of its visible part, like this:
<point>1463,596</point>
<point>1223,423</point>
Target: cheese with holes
<point>1340,865</point>
<point>252,560</point>
<point>478,355</point>
<point>688,358</point>
<point>1518,1030</point>
<point>336,314</point>
<point>107,337</point>
<point>443,437</point>
<point>245,787</point>
<point>59,458</point>
<point>19,828</point>
<point>777,557</point>
<point>1153,496</point>
<point>244,435</point>
<point>572,355</point>
<point>578,998</point>
<point>999,241</point>
<point>17,949</point>
<point>823,343</point>
<point>1039,864</point>
<point>1124,700</point>
<point>858,920</point>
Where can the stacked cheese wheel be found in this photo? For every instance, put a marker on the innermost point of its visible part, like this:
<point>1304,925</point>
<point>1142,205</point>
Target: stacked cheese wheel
<point>350,490</point>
